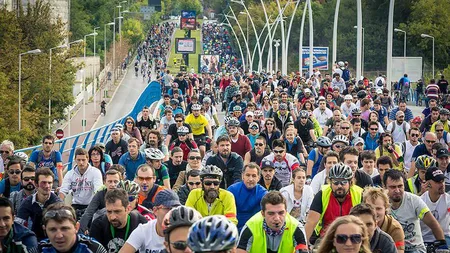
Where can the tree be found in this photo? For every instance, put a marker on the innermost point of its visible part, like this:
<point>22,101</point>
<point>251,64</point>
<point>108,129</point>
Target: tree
<point>132,31</point>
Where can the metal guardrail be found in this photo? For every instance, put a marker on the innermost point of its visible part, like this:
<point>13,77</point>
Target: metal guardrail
<point>67,146</point>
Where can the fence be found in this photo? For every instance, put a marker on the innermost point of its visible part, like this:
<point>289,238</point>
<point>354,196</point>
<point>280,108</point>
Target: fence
<point>67,146</point>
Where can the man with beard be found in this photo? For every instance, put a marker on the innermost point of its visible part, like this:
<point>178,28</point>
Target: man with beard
<point>155,140</point>
<point>229,162</point>
<point>334,200</point>
<point>210,199</point>
<point>443,118</point>
<point>172,131</point>
<point>28,187</point>
<point>305,129</point>
<point>283,117</point>
<point>284,162</point>
<point>47,157</point>
<point>248,194</point>
<point>116,147</point>
<point>239,142</point>
<point>438,201</point>
<point>408,209</point>
<point>113,228</point>
<point>429,120</point>
<point>257,154</point>
<point>399,128</point>
<point>268,179</point>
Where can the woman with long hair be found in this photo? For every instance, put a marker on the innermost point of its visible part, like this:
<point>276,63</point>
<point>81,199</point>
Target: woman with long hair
<point>373,116</point>
<point>97,159</point>
<point>131,129</point>
<point>266,105</point>
<point>298,195</point>
<point>271,132</point>
<point>347,234</point>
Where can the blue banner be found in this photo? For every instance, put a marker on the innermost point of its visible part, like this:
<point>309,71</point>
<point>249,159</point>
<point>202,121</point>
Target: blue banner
<point>320,58</point>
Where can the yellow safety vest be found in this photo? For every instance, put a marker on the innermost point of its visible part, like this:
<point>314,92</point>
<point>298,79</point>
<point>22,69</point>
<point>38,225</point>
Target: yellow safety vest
<point>355,194</point>
<point>259,245</point>
<point>412,186</point>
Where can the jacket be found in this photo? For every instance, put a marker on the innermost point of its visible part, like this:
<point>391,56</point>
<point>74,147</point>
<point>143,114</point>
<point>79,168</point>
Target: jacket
<point>20,239</point>
<point>223,205</point>
<point>275,185</point>
<point>307,198</point>
<point>232,170</point>
<point>97,203</point>
<point>82,193</point>
<point>183,194</point>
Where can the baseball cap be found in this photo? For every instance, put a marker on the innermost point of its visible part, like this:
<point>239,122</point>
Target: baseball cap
<point>307,90</point>
<point>249,113</point>
<point>167,198</point>
<point>348,97</point>
<point>267,164</point>
<point>118,126</point>
<point>253,125</point>
<point>417,119</point>
<point>435,174</point>
<point>443,152</point>
<point>358,140</point>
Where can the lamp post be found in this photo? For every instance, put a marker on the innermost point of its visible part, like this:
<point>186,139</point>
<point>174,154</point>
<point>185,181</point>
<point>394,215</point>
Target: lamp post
<point>83,121</point>
<point>237,40</point>
<point>35,51</point>
<point>50,85</point>
<point>362,53</point>
<point>94,85</point>
<point>404,47</point>
<point>250,63</point>
<point>277,44</point>
<point>423,35</point>
<point>114,51</point>
<point>246,29</point>
<point>104,44</point>
<point>68,111</point>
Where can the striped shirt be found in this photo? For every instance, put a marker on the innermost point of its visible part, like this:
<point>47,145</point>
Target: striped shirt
<point>432,91</point>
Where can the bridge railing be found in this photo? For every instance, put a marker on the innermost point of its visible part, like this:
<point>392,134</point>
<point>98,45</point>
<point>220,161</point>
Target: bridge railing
<point>67,146</point>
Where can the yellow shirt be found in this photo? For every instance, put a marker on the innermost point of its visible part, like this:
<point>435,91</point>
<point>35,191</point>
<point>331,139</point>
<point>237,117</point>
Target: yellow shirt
<point>446,126</point>
<point>197,124</point>
<point>398,150</point>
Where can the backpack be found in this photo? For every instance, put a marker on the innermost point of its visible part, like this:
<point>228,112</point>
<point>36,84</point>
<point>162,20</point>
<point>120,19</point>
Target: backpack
<point>41,157</point>
<point>395,125</point>
<point>380,83</point>
<point>346,74</point>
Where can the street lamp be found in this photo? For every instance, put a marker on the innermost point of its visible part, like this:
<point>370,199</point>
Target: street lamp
<point>50,85</point>
<point>277,44</point>
<point>94,72</point>
<point>423,35</point>
<point>114,51</point>
<point>246,28</point>
<point>362,53</point>
<point>35,51</point>
<point>83,121</point>
<point>104,43</point>
<point>404,48</point>
<point>68,111</point>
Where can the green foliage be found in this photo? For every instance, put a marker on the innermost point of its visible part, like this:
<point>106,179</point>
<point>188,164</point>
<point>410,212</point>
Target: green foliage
<point>187,5</point>
<point>132,31</point>
<point>21,33</point>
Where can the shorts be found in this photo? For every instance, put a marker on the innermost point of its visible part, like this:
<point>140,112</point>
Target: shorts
<point>200,139</point>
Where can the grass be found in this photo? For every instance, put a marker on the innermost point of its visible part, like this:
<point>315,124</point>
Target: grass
<point>193,58</point>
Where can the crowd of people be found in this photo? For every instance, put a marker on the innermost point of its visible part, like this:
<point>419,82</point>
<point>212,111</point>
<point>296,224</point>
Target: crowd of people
<point>299,163</point>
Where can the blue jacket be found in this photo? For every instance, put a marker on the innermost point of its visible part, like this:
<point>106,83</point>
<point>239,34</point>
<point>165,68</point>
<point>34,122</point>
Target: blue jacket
<point>131,165</point>
<point>23,239</point>
<point>248,201</point>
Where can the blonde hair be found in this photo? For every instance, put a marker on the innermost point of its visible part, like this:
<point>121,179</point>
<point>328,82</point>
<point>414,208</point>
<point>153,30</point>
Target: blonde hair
<point>372,193</point>
<point>326,244</point>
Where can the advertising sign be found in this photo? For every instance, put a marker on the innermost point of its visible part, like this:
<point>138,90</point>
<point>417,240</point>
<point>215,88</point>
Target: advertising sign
<point>188,20</point>
<point>320,58</point>
<point>185,46</point>
<point>410,65</point>
<point>208,63</point>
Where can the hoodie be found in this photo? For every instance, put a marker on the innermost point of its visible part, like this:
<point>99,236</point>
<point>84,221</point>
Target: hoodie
<point>307,198</point>
<point>83,186</point>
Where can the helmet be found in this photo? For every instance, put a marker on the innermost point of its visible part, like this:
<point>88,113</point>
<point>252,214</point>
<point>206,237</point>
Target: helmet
<point>258,113</point>
<point>131,187</point>
<point>153,154</point>
<point>340,171</point>
<point>361,94</point>
<point>211,170</point>
<point>283,106</point>
<point>234,122</point>
<point>181,216</point>
<point>22,156</point>
<point>304,114</point>
<point>196,107</point>
<point>424,162</point>
<point>237,108</point>
<point>356,111</point>
<point>324,142</point>
<point>444,111</point>
<point>182,130</point>
<point>340,138</point>
<point>212,233</point>
<point>236,93</point>
<point>341,64</point>
<point>174,101</point>
<point>207,100</point>
<point>227,118</point>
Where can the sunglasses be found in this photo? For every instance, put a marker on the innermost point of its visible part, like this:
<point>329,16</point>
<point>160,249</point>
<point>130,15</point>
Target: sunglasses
<point>345,128</point>
<point>342,239</point>
<point>4,152</point>
<point>145,178</point>
<point>194,183</point>
<point>12,172</point>
<point>195,158</point>
<point>440,130</point>
<point>415,135</point>
<point>278,151</point>
<point>338,146</point>
<point>63,213</point>
<point>374,129</point>
<point>129,122</point>
<point>430,141</point>
<point>259,144</point>
<point>340,182</point>
<point>179,245</point>
<point>304,117</point>
<point>48,143</point>
<point>26,179</point>
<point>269,124</point>
<point>181,135</point>
<point>209,183</point>
<point>254,128</point>
<point>178,121</point>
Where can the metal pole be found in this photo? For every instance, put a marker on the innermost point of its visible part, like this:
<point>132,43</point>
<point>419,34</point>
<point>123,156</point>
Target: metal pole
<point>433,58</point>
<point>300,41</point>
<point>83,121</point>
<point>290,26</point>
<point>283,42</point>
<point>362,66</point>
<point>277,44</point>
<point>359,39</point>
<point>20,91</point>
<point>94,83</point>
<point>104,56</point>
<point>311,39</point>
<point>247,36</point>
<point>390,29</point>
<point>113,67</point>
<point>49,93</point>
<point>269,66</point>
<point>335,26</point>
<point>237,40</point>
<point>250,64</point>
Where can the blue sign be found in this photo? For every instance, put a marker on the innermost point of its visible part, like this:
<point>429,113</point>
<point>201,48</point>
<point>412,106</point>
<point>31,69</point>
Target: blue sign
<point>320,58</point>
<point>188,14</point>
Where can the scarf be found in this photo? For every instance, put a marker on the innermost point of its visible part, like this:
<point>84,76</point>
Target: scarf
<point>271,232</point>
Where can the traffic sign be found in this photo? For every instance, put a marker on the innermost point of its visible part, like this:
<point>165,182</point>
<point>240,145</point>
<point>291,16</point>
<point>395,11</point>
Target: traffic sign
<point>59,134</point>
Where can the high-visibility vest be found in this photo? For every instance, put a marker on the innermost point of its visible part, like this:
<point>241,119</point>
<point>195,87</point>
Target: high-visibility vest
<point>355,194</point>
<point>412,186</point>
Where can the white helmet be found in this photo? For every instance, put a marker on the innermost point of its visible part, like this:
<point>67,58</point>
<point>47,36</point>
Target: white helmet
<point>196,107</point>
<point>22,155</point>
<point>340,138</point>
<point>153,154</point>
<point>341,64</point>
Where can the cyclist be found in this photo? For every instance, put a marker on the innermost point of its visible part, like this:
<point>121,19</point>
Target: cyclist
<point>315,156</point>
<point>198,124</point>
<point>136,68</point>
<point>334,200</point>
<point>418,184</point>
<point>214,234</point>
<point>154,158</point>
<point>210,199</point>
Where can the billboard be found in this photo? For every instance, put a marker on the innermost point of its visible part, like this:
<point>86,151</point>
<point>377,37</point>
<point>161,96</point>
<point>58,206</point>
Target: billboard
<point>185,46</point>
<point>320,58</point>
<point>208,63</point>
<point>188,20</point>
<point>409,65</point>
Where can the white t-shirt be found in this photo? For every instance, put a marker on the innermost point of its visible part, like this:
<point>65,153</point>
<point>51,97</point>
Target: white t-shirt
<point>408,215</point>
<point>165,125</point>
<point>441,211</point>
<point>145,239</point>
<point>374,172</point>
<point>407,156</point>
<point>322,116</point>
<point>399,134</point>
<point>318,180</point>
